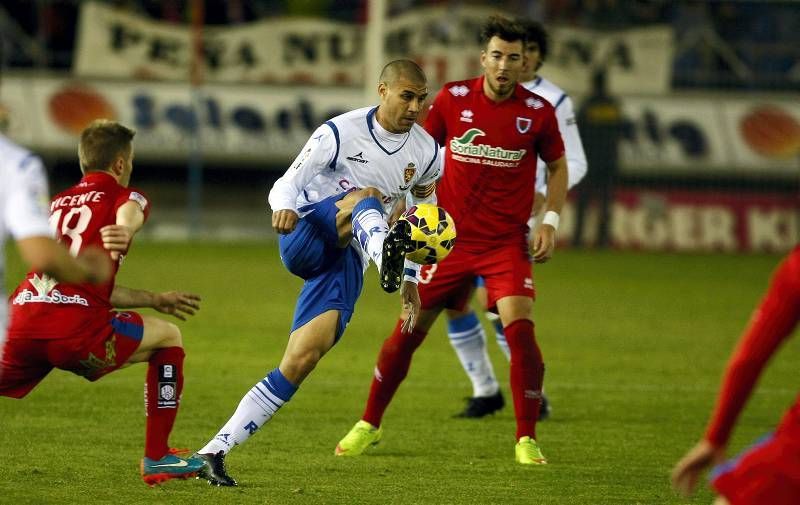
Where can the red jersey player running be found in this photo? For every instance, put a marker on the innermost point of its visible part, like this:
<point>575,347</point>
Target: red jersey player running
<point>73,326</point>
<point>769,472</point>
<point>493,130</point>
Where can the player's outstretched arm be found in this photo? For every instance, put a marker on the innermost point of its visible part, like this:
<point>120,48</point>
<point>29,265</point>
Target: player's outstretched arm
<point>175,303</point>
<point>43,254</point>
<point>772,323</point>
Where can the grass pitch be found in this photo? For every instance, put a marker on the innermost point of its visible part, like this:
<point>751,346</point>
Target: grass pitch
<point>634,344</point>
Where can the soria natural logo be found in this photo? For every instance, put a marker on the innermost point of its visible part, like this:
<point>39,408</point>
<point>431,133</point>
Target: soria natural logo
<point>463,145</point>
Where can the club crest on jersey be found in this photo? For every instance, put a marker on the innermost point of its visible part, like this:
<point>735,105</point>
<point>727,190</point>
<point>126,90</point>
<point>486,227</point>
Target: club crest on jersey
<point>523,124</point>
<point>409,172</point>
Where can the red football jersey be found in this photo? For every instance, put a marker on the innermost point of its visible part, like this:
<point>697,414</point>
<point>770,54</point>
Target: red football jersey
<point>490,166</point>
<point>44,308</point>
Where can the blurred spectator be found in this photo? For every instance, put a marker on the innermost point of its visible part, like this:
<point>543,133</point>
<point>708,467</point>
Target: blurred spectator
<point>600,118</point>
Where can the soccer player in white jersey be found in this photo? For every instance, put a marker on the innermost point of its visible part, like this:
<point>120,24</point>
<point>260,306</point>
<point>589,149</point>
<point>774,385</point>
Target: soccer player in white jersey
<point>330,211</point>
<point>24,212</point>
<point>464,329</point>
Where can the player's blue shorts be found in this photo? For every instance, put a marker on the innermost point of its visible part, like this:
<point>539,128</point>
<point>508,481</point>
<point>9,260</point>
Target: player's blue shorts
<point>478,282</point>
<point>334,276</point>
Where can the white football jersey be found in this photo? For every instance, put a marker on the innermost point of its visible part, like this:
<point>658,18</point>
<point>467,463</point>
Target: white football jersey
<point>565,115</point>
<point>24,205</point>
<point>353,151</point>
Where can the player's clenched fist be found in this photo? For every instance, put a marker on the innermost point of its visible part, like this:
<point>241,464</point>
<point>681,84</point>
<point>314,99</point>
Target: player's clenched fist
<point>116,238</point>
<point>284,221</point>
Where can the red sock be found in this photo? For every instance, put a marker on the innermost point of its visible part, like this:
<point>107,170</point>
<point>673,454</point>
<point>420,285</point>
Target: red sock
<point>394,361</point>
<point>162,396</point>
<point>527,373</point>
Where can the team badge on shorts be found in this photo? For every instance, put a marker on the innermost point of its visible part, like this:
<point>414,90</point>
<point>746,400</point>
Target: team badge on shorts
<point>523,124</point>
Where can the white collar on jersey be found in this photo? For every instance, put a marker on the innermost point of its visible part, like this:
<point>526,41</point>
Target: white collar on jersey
<point>534,83</point>
<point>394,141</point>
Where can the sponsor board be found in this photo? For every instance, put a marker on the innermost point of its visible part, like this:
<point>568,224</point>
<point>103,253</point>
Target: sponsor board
<point>697,221</point>
<point>711,134</point>
<point>236,124</point>
<point>704,135</point>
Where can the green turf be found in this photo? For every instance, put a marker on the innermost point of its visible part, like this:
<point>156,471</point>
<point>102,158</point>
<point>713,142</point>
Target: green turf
<point>634,343</point>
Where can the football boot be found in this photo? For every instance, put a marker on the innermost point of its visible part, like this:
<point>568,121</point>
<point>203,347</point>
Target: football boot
<point>362,436</point>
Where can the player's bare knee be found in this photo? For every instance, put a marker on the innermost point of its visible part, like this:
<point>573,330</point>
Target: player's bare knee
<point>361,194</point>
<point>170,335</point>
<point>372,192</point>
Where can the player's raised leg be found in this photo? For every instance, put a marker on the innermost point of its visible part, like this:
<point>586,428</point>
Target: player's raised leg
<point>361,215</point>
<point>526,373</point>
<point>162,348</point>
<point>394,361</point>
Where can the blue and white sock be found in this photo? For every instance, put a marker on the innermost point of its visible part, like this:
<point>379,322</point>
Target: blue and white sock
<point>370,228</point>
<point>256,408</point>
<point>469,341</point>
<point>501,337</point>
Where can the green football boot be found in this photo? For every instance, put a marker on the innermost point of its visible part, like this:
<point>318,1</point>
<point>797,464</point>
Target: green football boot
<point>528,453</point>
<point>360,437</point>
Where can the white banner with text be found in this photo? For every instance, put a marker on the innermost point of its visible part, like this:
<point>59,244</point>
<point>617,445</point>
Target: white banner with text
<point>291,51</point>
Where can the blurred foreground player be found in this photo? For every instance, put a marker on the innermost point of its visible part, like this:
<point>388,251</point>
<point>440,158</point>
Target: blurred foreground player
<point>72,326</point>
<point>768,472</point>
<point>24,215</point>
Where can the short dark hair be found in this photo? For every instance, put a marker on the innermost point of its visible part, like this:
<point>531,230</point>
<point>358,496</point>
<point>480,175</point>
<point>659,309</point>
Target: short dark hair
<point>503,28</point>
<point>535,32</point>
<point>102,142</point>
<point>402,68</point>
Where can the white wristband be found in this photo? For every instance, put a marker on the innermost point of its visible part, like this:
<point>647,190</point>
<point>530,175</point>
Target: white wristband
<point>411,271</point>
<point>551,218</point>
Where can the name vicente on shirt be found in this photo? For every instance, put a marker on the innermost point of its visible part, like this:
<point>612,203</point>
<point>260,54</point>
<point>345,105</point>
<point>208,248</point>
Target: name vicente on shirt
<point>76,200</point>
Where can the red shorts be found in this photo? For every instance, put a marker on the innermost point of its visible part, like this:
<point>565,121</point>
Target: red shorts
<point>506,271</point>
<point>768,472</point>
<point>25,361</point>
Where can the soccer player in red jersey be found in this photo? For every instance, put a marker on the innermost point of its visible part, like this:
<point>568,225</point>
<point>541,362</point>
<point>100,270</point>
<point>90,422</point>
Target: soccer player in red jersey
<point>493,129</point>
<point>74,327</point>
<point>769,472</point>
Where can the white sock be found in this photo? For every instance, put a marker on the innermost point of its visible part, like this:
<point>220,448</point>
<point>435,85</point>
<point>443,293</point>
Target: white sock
<point>469,341</point>
<point>254,410</point>
<point>370,228</point>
